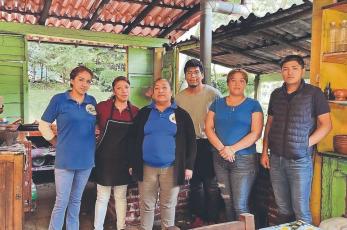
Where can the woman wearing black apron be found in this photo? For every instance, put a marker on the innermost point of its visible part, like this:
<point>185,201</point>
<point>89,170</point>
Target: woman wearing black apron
<point>115,117</point>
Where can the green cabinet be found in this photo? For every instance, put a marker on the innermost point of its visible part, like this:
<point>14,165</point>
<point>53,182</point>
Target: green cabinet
<point>334,177</point>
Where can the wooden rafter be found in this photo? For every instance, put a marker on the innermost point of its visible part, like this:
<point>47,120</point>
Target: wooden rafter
<point>96,14</point>
<point>140,17</point>
<point>179,21</point>
<point>163,5</point>
<point>45,12</point>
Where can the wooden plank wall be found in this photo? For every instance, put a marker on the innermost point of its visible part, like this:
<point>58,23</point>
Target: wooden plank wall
<point>13,75</point>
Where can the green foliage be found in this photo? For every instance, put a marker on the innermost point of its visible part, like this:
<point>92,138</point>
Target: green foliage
<point>106,78</point>
<point>221,85</point>
<point>52,62</point>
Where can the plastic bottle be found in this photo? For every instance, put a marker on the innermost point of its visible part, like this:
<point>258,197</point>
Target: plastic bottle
<point>333,30</point>
<point>342,44</point>
<point>34,195</point>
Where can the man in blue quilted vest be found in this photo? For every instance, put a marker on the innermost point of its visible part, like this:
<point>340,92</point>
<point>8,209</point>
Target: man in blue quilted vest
<point>298,118</point>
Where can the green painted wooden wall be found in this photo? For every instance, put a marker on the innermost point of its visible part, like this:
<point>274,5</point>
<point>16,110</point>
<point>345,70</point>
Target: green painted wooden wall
<point>140,72</point>
<point>13,75</point>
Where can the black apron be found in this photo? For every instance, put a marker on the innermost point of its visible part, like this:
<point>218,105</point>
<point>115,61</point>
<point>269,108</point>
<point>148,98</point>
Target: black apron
<point>111,158</point>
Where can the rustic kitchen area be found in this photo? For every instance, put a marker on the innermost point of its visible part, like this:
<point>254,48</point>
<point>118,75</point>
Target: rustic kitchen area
<point>27,190</point>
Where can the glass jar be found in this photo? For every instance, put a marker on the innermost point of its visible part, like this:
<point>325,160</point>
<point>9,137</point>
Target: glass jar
<point>333,35</point>
<point>342,43</point>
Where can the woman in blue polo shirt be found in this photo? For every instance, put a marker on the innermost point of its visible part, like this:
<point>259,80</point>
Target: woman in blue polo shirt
<point>74,112</point>
<point>233,125</point>
<point>163,154</point>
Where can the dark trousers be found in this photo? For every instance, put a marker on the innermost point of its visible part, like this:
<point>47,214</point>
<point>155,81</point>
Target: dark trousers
<point>205,198</point>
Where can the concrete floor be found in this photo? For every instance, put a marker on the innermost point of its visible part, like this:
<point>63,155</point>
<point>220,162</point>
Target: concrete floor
<point>39,218</point>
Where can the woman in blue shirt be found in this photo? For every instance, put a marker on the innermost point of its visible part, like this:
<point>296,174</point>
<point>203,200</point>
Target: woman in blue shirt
<point>74,112</point>
<point>162,155</point>
<point>233,125</point>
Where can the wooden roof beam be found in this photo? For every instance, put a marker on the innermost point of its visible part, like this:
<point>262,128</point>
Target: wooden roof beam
<point>141,16</point>
<point>45,12</point>
<point>246,67</point>
<point>179,21</point>
<point>163,5</point>
<point>95,15</point>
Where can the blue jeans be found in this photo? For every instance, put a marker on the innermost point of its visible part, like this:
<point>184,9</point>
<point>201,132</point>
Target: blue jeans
<point>291,181</point>
<point>235,180</point>
<point>69,185</point>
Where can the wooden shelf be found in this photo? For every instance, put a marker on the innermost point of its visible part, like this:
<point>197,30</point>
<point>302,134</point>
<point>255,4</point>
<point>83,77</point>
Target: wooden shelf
<point>340,6</point>
<point>334,155</point>
<point>339,57</point>
<point>339,102</point>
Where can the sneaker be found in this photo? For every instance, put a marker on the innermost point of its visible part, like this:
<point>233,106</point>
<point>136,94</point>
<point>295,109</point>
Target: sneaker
<point>197,222</point>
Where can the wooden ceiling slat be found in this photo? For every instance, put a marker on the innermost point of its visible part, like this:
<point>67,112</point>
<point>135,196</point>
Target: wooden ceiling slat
<point>163,5</point>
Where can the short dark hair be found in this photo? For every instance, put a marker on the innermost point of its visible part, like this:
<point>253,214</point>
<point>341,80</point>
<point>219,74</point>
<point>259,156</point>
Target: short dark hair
<point>79,69</point>
<point>293,57</point>
<point>193,63</point>
<point>120,78</point>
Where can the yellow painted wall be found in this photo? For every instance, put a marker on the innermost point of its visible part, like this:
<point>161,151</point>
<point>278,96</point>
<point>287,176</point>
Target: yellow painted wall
<point>320,74</point>
<point>336,74</point>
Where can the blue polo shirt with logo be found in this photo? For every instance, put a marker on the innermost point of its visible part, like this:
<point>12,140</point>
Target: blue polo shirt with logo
<point>76,130</point>
<point>159,143</point>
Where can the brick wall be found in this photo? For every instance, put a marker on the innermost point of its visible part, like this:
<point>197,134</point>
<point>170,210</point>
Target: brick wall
<point>133,213</point>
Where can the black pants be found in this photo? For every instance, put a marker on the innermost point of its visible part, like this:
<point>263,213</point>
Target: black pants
<point>205,199</point>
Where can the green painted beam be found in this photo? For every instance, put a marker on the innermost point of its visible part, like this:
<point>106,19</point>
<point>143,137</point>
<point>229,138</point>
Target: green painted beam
<point>92,36</point>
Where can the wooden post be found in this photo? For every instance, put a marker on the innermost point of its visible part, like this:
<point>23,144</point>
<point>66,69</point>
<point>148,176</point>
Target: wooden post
<point>248,219</point>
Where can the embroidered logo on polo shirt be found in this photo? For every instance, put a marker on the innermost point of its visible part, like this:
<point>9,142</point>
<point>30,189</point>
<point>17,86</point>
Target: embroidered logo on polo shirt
<point>91,109</point>
<point>172,118</point>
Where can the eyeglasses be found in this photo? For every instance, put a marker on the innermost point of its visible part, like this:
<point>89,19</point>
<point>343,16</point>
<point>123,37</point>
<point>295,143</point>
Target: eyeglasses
<point>196,73</point>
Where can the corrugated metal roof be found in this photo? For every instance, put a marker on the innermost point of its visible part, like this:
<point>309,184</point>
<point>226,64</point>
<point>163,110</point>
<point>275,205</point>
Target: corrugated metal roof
<point>154,18</point>
<point>257,44</point>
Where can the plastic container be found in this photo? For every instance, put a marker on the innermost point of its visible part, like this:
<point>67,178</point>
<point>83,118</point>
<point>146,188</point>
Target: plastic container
<point>34,195</point>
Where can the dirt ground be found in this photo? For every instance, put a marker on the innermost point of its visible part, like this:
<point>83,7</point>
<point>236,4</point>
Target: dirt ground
<point>39,218</point>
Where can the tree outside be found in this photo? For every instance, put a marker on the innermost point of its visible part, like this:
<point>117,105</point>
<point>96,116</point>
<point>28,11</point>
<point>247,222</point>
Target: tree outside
<point>50,66</point>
